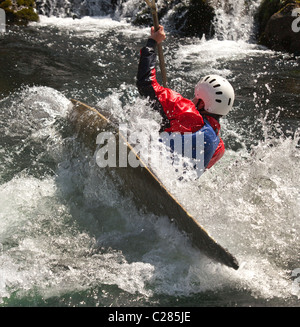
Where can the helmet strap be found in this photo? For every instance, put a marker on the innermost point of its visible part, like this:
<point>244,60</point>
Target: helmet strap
<point>202,111</point>
<point>198,104</point>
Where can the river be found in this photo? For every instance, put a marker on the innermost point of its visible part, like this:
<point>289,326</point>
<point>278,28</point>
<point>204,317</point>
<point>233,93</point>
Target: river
<point>69,238</point>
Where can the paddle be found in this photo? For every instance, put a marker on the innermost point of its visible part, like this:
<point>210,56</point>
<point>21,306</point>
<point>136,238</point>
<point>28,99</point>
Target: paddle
<point>152,6</point>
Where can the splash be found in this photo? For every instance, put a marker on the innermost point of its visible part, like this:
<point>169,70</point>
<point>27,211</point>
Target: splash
<point>74,231</point>
<point>252,194</point>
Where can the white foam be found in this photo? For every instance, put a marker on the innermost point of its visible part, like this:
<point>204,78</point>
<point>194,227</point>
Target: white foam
<point>208,56</point>
<point>91,26</point>
<point>40,102</point>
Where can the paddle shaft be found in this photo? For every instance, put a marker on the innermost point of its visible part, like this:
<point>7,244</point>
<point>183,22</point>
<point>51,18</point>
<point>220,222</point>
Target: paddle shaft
<point>159,46</point>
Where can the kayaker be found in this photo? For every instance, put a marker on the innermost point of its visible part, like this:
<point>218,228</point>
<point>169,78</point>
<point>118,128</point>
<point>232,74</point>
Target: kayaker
<point>214,97</point>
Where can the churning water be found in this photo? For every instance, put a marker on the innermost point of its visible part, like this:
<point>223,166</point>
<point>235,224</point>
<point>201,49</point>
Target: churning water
<point>68,237</point>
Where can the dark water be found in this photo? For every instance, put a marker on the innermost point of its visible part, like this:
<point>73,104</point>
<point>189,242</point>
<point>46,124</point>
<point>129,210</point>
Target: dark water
<point>67,236</point>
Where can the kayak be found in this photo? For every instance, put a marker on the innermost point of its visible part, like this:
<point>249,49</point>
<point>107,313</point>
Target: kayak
<point>148,191</point>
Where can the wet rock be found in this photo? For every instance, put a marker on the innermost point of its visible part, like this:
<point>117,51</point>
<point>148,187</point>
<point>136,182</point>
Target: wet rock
<point>189,18</point>
<point>279,26</point>
<point>195,19</point>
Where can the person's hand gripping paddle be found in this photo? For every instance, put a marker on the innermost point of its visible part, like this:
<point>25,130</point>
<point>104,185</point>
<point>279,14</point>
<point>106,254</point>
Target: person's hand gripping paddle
<point>152,5</point>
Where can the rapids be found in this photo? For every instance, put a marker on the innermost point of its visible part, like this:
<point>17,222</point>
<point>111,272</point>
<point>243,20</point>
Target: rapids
<point>69,238</point>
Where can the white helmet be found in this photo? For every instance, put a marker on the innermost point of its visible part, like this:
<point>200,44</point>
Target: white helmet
<point>216,93</point>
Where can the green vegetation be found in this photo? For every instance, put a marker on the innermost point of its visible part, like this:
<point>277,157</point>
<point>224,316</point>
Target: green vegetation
<point>26,3</point>
<point>19,12</point>
<point>27,15</point>
<point>6,5</point>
